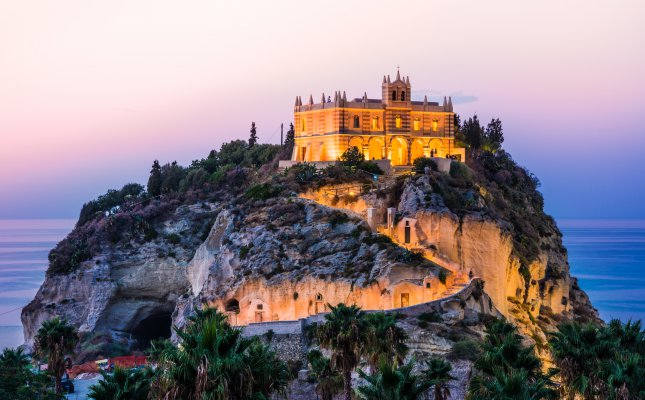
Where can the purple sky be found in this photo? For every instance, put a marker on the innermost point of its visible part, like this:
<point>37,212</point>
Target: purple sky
<point>91,92</point>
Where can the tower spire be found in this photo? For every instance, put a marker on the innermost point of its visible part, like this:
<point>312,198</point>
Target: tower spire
<point>450,103</point>
<point>398,75</point>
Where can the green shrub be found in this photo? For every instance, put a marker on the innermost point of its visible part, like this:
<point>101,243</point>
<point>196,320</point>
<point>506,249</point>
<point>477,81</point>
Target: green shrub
<point>173,238</point>
<point>459,170</point>
<point>338,218</point>
<point>371,167</point>
<point>376,238</point>
<point>219,176</point>
<point>244,250</point>
<point>262,191</point>
<point>150,234</point>
<point>430,317</point>
<point>67,255</point>
<point>352,157</point>
<point>303,172</point>
<point>465,349</point>
<point>422,162</point>
<point>109,200</point>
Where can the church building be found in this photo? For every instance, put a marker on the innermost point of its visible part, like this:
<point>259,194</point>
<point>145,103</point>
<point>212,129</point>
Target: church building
<point>393,127</point>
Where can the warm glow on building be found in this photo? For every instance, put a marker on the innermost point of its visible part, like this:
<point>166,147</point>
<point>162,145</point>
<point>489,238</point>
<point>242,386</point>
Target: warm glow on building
<point>393,127</point>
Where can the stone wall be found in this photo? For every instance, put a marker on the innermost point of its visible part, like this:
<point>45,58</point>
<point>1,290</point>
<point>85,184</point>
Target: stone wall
<point>468,301</point>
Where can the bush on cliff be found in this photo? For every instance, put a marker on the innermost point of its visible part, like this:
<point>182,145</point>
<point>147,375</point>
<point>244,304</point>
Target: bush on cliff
<point>422,162</point>
<point>355,160</point>
<point>106,202</point>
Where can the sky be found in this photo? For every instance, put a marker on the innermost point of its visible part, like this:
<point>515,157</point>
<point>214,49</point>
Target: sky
<point>91,92</point>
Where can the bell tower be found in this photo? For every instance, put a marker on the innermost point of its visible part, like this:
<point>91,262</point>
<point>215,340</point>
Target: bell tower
<point>396,93</point>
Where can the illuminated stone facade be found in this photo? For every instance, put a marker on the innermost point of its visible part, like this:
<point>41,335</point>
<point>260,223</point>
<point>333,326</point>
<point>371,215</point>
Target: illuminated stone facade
<point>393,127</point>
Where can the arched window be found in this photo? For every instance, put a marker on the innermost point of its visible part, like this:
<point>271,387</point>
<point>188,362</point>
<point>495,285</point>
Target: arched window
<point>375,123</point>
<point>394,95</point>
<point>403,95</point>
<point>397,121</point>
<point>233,306</point>
<point>357,122</point>
<point>417,124</point>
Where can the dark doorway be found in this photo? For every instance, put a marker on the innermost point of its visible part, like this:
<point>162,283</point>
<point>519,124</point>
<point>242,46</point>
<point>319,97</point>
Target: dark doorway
<point>233,306</point>
<point>407,232</point>
<point>156,326</point>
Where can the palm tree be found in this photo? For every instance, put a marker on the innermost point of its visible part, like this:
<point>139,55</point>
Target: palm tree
<point>55,339</point>
<point>215,362</point>
<point>14,366</point>
<point>122,384</point>
<point>18,382</point>
<point>385,339</point>
<point>506,369</point>
<point>624,377</point>
<point>392,383</point>
<point>329,382</point>
<point>437,371</point>
<point>344,332</point>
<point>502,347</point>
<point>577,350</point>
<point>509,385</point>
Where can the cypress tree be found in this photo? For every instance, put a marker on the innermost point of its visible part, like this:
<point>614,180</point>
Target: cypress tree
<point>154,181</point>
<point>253,139</point>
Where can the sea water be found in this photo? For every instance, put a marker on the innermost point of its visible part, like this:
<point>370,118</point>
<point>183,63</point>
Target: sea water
<point>24,245</point>
<point>608,257</point>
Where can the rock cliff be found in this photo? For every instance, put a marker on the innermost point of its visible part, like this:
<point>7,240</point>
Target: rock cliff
<point>283,251</point>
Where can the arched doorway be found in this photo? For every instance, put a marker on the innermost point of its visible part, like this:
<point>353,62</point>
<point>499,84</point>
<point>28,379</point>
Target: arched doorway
<point>375,151</point>
<point>399,151</point>
<point>357,142</point>
<point>436,148</point>
<point>232,309</point>
<point>416,150</point>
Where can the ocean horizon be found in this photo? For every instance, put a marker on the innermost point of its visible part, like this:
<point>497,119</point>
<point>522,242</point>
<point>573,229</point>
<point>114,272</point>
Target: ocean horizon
<point>607,257</point>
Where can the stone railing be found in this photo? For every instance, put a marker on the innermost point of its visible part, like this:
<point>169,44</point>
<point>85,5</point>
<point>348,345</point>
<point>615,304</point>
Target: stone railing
<point>297,326</point>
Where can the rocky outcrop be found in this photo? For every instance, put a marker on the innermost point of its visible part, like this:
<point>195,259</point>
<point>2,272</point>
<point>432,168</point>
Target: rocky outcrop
<point>484,247</point>
<point>115,291</point>
<point>286,258</point>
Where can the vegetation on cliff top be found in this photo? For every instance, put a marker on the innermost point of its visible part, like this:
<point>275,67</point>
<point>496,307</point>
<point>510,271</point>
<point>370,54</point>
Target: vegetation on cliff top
<point>490,183</point>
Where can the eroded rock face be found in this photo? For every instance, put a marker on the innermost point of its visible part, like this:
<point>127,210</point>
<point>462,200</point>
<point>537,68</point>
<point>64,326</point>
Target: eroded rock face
<point>116,290</point>
<point>276,257</point>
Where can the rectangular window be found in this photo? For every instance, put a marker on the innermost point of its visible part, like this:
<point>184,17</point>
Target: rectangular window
<point>435,125</point>
<point>397,121</point>
<point>417,124</point>
<point>375,123</point>
<point>405,299</point>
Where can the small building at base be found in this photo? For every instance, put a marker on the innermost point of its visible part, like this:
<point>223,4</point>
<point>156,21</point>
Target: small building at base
<point>393,128</point>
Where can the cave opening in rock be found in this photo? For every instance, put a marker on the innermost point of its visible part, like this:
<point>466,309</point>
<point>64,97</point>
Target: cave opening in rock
<point>155,326</point>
